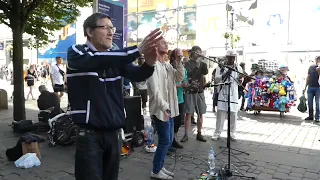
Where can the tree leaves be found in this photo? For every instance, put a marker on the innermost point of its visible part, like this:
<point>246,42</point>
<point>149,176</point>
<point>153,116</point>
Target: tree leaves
<point>42,17</point>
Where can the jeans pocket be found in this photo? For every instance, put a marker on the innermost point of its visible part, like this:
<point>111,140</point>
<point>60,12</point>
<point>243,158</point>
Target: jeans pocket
<point>85,139</point>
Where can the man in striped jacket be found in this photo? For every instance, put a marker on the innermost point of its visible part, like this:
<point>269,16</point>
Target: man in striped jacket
<point>94,75</point>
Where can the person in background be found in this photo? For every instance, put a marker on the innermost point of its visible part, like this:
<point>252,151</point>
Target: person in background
<point>31,78</point>
<point>58,77</point>
<point>163,106</point>
<point>126,86</point>
<point>215,90</point>
<point>47,100</point>
<point>194,95</point>
<point>94,72</point>
<point>313,92</point>
<point>283,73</point>
<point>241,87</point>
<point>227,75</point>
<point>141,89</point>
<point>177,54</point>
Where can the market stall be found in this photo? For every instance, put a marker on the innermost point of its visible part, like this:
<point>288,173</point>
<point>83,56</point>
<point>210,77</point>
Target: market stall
<point>270,93</point>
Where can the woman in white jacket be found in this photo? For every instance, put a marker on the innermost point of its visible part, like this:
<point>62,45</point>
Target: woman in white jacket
<point>163,105</point>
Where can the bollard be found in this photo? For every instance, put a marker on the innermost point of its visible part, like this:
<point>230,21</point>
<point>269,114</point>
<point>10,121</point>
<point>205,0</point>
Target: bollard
<point>3,99</point>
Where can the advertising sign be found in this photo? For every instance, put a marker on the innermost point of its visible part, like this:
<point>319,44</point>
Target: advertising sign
<point>115,11</point>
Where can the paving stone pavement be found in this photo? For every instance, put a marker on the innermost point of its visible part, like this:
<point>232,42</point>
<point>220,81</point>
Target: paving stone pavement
<point>280,148</point>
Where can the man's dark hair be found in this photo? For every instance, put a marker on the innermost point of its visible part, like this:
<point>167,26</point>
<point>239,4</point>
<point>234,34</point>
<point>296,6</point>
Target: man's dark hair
<point>42,88</point>
<point>58,57</point>
<point>91,21</point>
<point>194,49</point>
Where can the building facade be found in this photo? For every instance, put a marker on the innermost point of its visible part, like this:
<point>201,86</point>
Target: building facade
<point>280,31</point>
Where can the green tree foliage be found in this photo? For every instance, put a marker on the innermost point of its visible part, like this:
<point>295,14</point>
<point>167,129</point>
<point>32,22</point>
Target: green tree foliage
<point>38,18</point>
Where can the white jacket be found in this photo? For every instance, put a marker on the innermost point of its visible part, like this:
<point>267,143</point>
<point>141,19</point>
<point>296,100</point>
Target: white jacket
<point>223,90</point>
<point>162,89</point>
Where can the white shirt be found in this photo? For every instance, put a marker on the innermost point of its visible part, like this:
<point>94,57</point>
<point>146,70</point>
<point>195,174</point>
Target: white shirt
<point>142,85</point>
<point>57,78</point>
<point>223,90</point>
<point>162,89</point>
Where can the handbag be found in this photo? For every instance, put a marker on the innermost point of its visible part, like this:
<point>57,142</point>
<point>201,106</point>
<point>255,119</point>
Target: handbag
<point>61,72</point>
<point>302,107</point>
<point>63,76</point>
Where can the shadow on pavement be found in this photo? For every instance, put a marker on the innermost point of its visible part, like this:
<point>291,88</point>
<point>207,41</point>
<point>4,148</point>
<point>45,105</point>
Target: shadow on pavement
<point>266,160</point>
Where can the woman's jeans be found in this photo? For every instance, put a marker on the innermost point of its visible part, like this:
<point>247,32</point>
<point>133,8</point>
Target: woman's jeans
<point>313,92</point>
<point>165,138</point>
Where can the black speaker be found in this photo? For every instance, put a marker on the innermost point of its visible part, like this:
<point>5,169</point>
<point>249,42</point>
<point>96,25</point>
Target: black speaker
<point>134,119</point>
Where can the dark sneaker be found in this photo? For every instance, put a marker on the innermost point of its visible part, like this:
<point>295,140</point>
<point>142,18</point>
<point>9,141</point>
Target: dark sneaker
<point>184,139</point>
<point>317,121</point>
<point>309,119</point>
<point>175,144</point>
<point>201,138</point>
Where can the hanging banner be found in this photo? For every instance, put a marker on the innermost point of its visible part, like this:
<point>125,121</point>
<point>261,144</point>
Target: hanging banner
<point>115,11</point>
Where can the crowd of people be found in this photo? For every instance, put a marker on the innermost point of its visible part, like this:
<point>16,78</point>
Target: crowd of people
<point>39,74</point>
<point>98,76</point>
<point>174,85</point>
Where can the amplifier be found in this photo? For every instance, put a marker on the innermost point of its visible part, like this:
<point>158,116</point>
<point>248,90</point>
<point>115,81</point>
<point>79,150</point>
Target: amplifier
<point>134,118</point>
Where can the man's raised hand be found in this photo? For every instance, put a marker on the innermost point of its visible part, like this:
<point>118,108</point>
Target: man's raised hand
<point>148,46</point>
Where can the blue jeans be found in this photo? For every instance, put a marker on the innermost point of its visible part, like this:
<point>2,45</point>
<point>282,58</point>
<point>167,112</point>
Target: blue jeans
<point>313,92</point>
<point>165,139</point>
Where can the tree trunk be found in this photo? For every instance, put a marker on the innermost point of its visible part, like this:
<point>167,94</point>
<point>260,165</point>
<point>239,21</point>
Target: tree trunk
<point>19,112</point>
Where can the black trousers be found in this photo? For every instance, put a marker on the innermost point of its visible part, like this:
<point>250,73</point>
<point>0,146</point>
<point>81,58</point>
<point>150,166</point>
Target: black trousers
<point>178,119</point>
<point>241,95</point>
<point>144,96</point>
<point>97,155</point>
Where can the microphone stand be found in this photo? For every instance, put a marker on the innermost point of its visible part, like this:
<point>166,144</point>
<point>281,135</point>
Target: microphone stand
<point>227,171</point>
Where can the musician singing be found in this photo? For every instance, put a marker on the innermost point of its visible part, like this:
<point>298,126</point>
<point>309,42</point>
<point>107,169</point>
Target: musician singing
<point>226,75</point>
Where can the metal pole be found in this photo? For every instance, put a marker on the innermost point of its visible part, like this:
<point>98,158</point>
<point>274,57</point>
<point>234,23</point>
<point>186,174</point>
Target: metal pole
<point>232,27</point>
<point>178,12</point>
<point>95,6</point>
<point>137,14</point>
<point>288,31</point>
<point>5,50</point>
<point>227,5</point>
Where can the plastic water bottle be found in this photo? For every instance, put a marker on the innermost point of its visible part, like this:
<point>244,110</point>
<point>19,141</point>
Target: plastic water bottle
<point>149,133</point>
<point>211,162</point>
